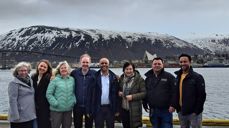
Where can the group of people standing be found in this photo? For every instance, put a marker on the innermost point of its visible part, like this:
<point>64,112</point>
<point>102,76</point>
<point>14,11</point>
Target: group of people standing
<point>48,98</point>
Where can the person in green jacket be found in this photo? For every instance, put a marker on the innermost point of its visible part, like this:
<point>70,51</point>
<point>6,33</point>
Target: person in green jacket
<point>61,97</point>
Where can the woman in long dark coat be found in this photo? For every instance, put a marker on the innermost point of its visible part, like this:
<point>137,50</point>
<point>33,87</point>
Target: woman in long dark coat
<point>132,91</point>
<point>41,81</point>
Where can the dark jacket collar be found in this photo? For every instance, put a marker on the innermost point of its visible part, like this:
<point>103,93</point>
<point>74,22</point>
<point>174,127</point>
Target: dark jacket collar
<point>110,73</point>
<point>151,73</point>
<point>81,73</point>
<point>179,72</point>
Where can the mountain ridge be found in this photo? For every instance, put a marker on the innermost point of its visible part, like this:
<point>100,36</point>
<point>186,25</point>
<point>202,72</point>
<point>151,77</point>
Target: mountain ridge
<point>97,43</point>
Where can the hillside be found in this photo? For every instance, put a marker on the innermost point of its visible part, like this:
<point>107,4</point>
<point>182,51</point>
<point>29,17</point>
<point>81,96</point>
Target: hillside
<point>214,43</point>
<point>98,43</point>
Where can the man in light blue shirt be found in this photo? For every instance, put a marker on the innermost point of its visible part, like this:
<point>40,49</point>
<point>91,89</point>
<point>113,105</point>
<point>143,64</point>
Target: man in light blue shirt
<point>105,96</point>
<point>105,89</point>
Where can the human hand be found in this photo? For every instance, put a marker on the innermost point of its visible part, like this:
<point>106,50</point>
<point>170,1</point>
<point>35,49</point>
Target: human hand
<point>194,114</point>
<point>129,97</point>
<point>120,93</point>
<point>171,109</point>
<point>117,114</point>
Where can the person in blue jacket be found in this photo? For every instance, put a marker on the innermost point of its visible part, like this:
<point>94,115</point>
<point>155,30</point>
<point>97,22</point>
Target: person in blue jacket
<point>61,97</point>
<point>84,81</point>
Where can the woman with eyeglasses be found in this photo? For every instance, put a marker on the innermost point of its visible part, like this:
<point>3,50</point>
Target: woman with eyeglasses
<point>21,98</point>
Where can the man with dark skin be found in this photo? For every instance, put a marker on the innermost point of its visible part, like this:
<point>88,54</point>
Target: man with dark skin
<point>105,96</point>
<point>191,94</point>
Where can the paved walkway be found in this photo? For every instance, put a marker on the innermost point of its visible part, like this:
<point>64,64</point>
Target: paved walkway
<point>4,124</point>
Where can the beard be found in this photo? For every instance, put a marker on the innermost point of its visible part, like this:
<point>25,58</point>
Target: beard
<point>185,67</point>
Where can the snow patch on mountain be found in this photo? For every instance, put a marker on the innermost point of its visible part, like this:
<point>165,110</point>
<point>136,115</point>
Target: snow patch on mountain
<point>95,41</point>
<point>212,43</point>
<point>44,37</point>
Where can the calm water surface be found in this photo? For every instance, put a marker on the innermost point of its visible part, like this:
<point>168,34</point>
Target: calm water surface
<point>217,88</point>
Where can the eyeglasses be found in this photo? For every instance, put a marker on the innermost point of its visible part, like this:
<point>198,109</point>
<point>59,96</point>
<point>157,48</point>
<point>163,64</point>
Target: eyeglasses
<point>22,70</point>
<point>103,63</point>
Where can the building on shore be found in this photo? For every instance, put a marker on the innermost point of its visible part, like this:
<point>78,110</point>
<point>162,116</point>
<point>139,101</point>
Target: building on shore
<point>148,57</point>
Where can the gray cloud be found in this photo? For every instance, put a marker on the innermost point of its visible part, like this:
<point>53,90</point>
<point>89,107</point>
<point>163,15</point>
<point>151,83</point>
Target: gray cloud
<point>16,8</point>
<point>128,15</point>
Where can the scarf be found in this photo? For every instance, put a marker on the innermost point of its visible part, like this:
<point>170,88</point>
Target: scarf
<point>24,79</point>
<point>128,81</point>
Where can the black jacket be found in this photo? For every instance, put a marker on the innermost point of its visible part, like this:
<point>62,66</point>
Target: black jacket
<point>160,90</point>
<point>41,102</point>
<point>193,93</point>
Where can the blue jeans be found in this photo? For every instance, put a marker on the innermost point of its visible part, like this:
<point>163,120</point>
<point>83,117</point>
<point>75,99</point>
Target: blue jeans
<point>35,123</point>
<point>161,118</point>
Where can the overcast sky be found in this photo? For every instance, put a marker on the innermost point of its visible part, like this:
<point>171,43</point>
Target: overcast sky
<point>174,17</point>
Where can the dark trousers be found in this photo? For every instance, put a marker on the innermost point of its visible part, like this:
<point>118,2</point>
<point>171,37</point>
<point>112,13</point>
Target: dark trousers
<point>78,114</point>
<point>28,124</point>
<point>104,115</point>
<point>125,115</point>
<point>63,119</point>
<point>161,118</point>
<point>43,118</point>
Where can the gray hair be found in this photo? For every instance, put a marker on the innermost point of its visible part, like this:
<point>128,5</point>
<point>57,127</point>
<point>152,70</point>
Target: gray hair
<point>57,70</point>
<point>20,65</point>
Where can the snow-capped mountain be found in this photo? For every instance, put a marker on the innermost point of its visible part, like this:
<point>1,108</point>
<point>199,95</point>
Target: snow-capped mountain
<point>214,43</point>
<point>98,43</point>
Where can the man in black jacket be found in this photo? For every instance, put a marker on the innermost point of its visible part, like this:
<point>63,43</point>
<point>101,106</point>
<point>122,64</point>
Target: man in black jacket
<point>160,95</point>
<point>191,95</point>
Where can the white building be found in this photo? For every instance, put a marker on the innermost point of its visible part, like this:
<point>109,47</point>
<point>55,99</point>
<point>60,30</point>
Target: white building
<point>148,57</point>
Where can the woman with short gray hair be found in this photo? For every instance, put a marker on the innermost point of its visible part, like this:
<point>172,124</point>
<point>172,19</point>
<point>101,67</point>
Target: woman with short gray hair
<point>61,97</point>
<point>21,98</point>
